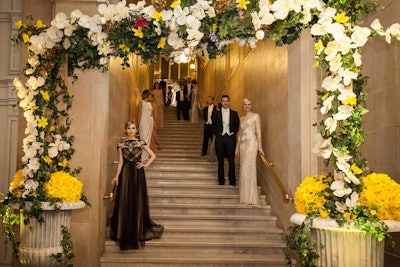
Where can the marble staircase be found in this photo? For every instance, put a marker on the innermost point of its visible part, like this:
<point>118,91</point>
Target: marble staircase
<point>204,223</point>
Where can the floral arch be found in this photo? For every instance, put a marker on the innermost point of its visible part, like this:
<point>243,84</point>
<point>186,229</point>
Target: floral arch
<point>195,28</point>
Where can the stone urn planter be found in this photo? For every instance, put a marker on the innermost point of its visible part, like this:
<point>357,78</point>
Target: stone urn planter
<point>40,240</point>
<point>345,247</point>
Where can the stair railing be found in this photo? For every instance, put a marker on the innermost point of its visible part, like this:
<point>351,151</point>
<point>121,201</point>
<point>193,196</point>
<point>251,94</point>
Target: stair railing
<point>269,165</point>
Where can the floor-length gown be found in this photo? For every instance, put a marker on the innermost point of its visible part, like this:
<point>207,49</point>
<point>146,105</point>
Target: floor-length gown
<point>194,116</point>
<point>249,143</point>
<point>146,125</point>
<point>130,221</point>
<point>159,102</point>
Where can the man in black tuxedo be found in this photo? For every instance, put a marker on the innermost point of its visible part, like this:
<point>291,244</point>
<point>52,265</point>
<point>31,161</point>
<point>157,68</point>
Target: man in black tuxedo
<point>225,124</point>
<point>208,130</point>
<point>182,103</point>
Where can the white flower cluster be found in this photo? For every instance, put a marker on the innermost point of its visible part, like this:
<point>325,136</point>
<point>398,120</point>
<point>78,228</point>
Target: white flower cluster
<point>345,41</point>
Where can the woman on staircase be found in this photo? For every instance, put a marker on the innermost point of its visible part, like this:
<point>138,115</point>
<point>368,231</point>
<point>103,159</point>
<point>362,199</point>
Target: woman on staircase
<point>248,146</point>
<point>130,221</point>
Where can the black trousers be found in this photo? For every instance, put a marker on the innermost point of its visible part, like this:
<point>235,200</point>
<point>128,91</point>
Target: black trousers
<point>207,135</point>
<point>225,146</point>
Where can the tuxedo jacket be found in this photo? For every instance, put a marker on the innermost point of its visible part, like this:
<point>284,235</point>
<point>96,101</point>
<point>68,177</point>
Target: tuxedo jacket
<point>234,122</point>
<point>178,95</point>
<point>205,113</point>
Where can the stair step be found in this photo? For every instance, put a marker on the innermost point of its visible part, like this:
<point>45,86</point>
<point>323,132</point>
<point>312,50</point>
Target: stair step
<point>151,259</point>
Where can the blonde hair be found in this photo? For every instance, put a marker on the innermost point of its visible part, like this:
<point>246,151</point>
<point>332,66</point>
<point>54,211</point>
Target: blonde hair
<point>129,123</point>
<point>247,100</point>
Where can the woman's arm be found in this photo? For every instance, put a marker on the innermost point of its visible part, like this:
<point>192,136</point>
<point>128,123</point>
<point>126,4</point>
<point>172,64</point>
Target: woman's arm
<point>119,167</point>
<point>258,134</point>
<point>140,165</point>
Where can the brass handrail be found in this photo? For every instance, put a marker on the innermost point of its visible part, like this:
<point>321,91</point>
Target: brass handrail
<point>286,197</point>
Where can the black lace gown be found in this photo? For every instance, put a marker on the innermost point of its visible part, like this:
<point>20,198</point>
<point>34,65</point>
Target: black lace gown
<point>130,221</point>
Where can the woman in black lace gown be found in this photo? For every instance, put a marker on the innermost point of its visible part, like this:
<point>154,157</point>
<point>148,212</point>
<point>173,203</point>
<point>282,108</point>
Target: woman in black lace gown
<point>130,220</point>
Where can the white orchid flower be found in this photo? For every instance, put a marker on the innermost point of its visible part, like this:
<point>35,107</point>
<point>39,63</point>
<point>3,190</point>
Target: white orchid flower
<point>346,94</point>
<point>33,82</point>
<point>180,15</point>
<point>75,15</point>
<point>139,6</point>
<point>174,41</point>
<point>193,22</point>
<point>54,34</point>
<point>38,44</point>
<point>53,151</point>
<point>331,83</point>
<point>376,25</point>
<point>360,36</point>
<point>323,147</point>
<point>336,63</point>
<point>349,177</point>
<point>330,124</point>
<point>344,112</point>
<point>255,20</point>
<point>281,8</point>
<point>194,37</point>
<point>318,29</point>
<point>340,207</point>
<point>33,61</point>
<point>347,75</point>
<point>338,32</point>
<point>342,161</point>
<point>198,11</point>
<point>60,21</point>
<point>394,30</point>
<point>33,164</point>
<point>357,58</point>
<point>327,104</point>
<point>339,190</point>
<point>352,201</point>
<point>329,13</point>
<point>264,14</point>
<point>167,15</point>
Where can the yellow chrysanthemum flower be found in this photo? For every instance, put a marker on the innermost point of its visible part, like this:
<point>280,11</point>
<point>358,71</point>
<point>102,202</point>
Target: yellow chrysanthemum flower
<point>63,186</point>
<point>157,16</point>
<point>63,163</point>
<point>355,169</point>
<point>19,24</point>
<point>242,4</point>
<point>342,18</point>
<point>176,3</point>
<point>381,194</point>
<point>138,32</point>
<point>25,38</point>
<point>42,122</point>
<point>52,128</point>
<point>351,100</point>
<point>47,159</point>
<point>214,27</point>
<point>18,178</point>
<point>124,48</point>
<point>40,24</point>
<point>319,46</point>
<point>162,42</point>
<point>45,95</point>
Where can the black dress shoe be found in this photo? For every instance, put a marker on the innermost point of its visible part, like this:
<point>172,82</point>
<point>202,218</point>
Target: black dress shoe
<point>232,184</point>
<point>219,183</point>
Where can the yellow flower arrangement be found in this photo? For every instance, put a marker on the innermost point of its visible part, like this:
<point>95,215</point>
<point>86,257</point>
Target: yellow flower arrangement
<point>310,196</point>
<point>64,186</point>
<point>378,193</point>
<point>18,178</point>
<point>381,194</point>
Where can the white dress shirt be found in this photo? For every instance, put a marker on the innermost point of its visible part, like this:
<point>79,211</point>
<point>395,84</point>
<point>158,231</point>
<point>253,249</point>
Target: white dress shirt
<point>225,121</point>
